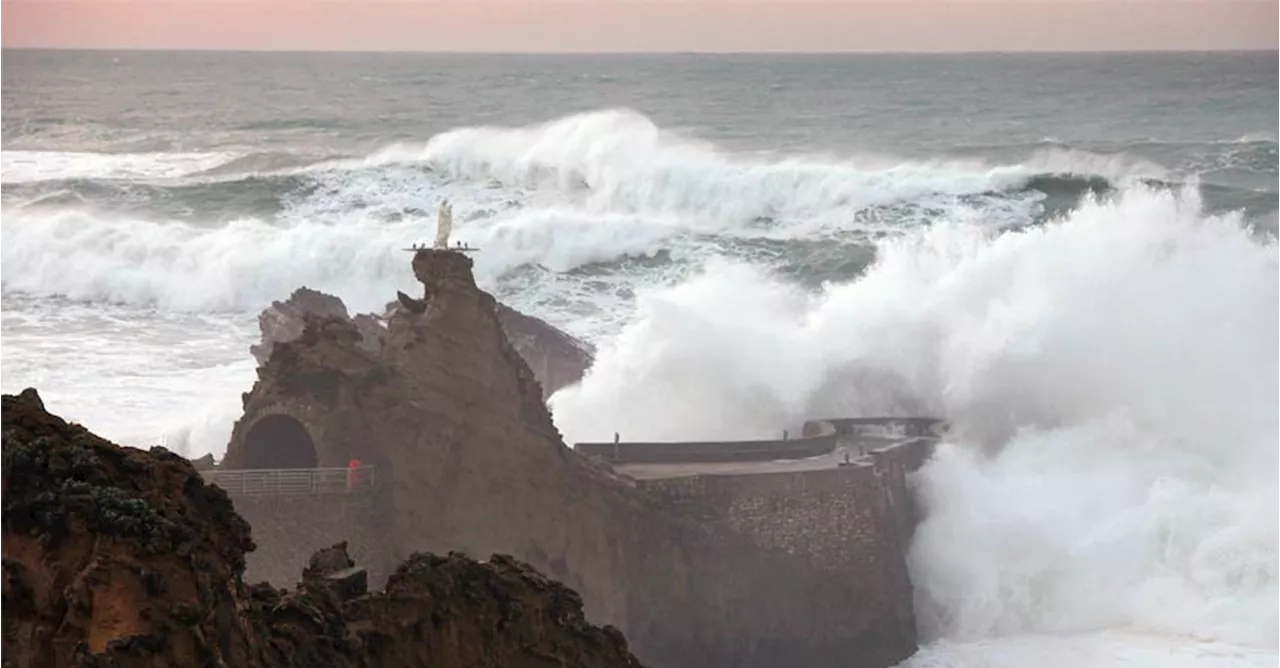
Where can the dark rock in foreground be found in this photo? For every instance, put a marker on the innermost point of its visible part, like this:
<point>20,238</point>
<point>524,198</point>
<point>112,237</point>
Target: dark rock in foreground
<point>122,557</point>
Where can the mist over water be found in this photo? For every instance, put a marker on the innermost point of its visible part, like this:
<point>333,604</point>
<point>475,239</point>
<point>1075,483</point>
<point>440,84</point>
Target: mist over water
<point>1087,292</point>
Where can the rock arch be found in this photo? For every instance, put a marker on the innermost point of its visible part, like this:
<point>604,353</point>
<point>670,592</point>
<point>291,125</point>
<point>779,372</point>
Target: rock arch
<point>278,441</point>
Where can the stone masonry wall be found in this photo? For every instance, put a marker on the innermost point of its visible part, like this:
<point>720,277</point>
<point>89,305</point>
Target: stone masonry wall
<point>830,517</point>
<point>289,529</point>
<point>853,521</point>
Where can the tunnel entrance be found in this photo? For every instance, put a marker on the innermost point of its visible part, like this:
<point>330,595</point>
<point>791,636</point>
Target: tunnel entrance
<point>279,442</point>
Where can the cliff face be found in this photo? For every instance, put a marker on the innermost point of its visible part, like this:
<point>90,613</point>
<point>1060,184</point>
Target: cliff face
<point>120,557</point>
<point>455,421</point>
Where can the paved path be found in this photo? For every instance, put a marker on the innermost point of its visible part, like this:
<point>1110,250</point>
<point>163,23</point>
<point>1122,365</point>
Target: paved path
<point>828,461</point>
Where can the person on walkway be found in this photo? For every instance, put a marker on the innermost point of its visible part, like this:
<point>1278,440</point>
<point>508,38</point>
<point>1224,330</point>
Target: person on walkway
<point>353,474</point>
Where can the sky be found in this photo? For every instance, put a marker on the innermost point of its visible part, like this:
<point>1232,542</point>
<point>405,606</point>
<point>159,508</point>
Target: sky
<point>643,25</point>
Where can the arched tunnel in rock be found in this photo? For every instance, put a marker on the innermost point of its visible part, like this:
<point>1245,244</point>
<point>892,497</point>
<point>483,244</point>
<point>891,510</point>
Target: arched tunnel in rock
<point>279,442</point>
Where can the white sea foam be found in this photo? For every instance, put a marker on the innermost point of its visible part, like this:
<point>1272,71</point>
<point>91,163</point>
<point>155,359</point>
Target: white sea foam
<point>181,267</point>
<point>1112,382</point>
<point>619,160</point>
<point>30,166</point>
<point>244,265</point>
<point>647,190</point>
<point>137,376</point>
<point>1109,649</point>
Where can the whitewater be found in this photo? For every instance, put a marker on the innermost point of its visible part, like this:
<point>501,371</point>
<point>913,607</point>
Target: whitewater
<point>1097,319</point>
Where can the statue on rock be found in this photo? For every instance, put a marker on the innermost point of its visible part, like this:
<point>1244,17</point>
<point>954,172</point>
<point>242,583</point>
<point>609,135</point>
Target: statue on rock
<point>444,225</point>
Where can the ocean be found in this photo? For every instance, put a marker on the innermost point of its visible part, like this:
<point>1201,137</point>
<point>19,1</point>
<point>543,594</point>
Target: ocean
<point>1071,257</point>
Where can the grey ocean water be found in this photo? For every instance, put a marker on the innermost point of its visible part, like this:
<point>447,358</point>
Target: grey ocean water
<point>1071,256</point>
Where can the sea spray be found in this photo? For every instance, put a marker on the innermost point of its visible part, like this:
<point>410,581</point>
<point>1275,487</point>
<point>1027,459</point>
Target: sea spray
<point>1111,382</point>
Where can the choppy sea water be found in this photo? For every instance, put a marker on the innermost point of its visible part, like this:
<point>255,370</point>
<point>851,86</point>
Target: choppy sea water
<point>1073,258</point>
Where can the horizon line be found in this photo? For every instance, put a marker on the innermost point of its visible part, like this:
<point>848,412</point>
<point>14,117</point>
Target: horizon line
<point>449,52</point>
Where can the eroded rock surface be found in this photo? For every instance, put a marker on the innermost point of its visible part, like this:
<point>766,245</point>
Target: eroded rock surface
<point>126,558</point>
<point>285,320</point>
<point>500,612</point>
<point>556,358</point>
<point>114,556</point>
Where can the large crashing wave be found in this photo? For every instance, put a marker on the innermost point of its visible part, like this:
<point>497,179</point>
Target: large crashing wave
<point>212,232</point>
<point>1111,380</point>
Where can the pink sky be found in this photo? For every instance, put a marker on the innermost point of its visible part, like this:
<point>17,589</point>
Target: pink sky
<point>643,25</point>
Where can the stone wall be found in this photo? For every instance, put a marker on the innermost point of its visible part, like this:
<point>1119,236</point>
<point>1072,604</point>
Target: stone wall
<point>851,522</point>
<point>831,517</point>
<point>288,529</point>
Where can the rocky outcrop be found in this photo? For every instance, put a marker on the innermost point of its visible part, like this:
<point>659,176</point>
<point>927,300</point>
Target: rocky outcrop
<point>454,420</point>
<point>447,612</point>
<point>124,558</point>
<point>556,358</point>
<point>114,556</point>
<point>499,612</point>
<point>284,320</point>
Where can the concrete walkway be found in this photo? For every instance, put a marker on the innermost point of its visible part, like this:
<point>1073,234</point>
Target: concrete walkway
<point>830,460</point>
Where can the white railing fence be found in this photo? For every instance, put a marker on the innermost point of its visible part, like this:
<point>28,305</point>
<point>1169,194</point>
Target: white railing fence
<point>267,482</point>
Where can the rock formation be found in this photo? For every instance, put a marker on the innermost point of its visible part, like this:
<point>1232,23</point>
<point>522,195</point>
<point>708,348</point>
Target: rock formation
<point>114,554</point>
<point>556,358</point>
<point>454,421</point>
<point>283,321</point>
<point>125,558</point>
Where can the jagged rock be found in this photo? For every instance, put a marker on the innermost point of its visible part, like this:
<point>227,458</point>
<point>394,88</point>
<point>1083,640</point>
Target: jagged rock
<point>372,332</point>
<point>514,602</point>
<point>413,305</point>
<point>122,558</point>
<point>327,561</point>
<point>284,321</point>
<point>556,358</point>
<point>204,463</point>
<point>114,556</point>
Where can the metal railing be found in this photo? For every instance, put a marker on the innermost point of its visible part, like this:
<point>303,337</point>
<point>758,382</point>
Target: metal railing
<point>280,482</point>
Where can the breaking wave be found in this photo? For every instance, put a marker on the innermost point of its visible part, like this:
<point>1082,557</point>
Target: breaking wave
<point>1111,382</point>
<point>612,164</point>
<point>216,231</point>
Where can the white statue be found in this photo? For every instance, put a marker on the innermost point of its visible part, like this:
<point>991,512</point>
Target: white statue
<point>444,225</point>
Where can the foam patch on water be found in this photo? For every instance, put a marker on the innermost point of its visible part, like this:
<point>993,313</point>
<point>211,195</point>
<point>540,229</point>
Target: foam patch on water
<point>1113,649</point>
<point>30,166</point>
